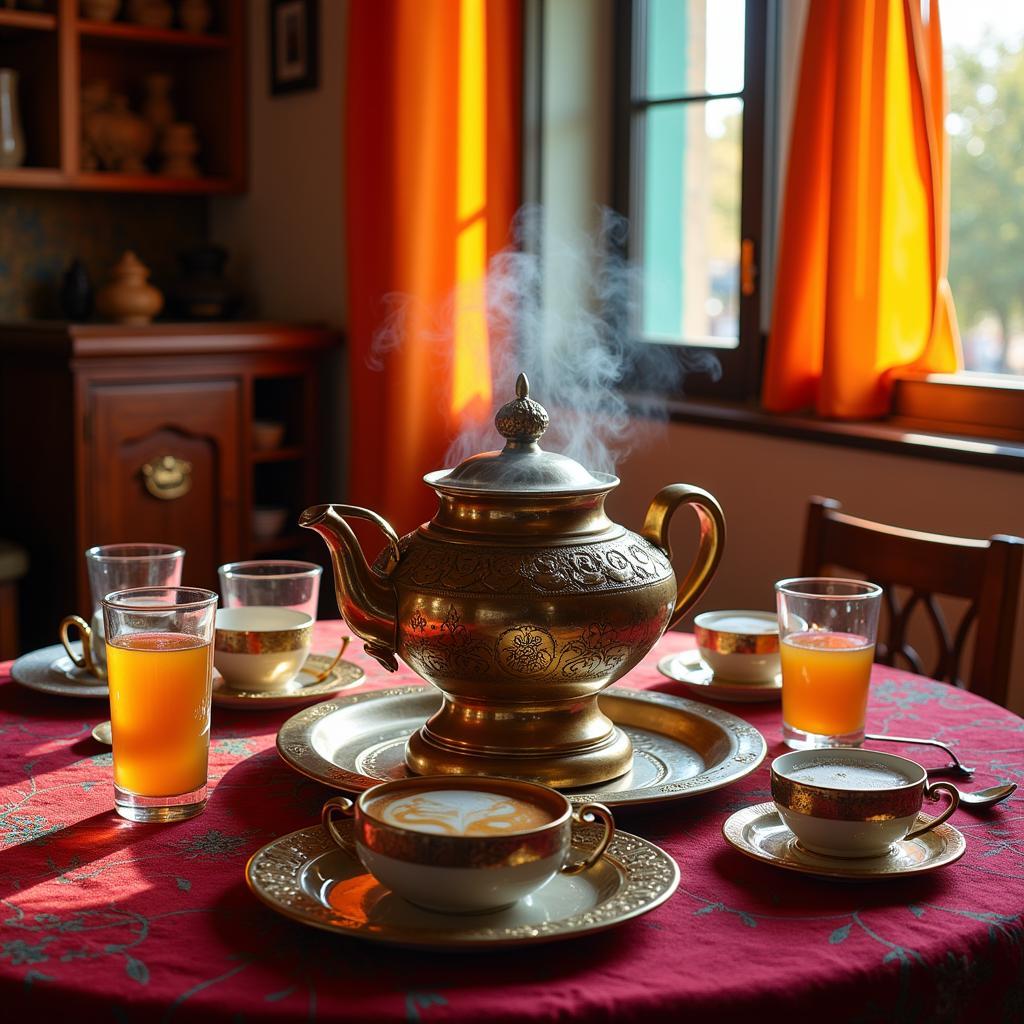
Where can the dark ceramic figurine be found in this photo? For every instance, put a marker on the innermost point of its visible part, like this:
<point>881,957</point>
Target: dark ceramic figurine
<point>76,292</point>
<point>202,293</point>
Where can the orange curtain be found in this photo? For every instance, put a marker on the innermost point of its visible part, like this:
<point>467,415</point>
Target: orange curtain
<point>861,286</point>
<point>432,145</point>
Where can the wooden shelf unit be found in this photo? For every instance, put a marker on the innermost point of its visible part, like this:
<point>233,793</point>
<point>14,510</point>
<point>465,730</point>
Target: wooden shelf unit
<point>36,21</point>
<point>57,53</point>
<point>103,401</point>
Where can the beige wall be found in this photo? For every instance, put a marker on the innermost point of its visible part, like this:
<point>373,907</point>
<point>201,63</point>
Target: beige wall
<point>286,234</point>
<point>763,484</point>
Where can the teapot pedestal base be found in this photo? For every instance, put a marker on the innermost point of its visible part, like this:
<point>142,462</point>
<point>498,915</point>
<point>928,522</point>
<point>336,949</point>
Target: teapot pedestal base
<point>436,750</point>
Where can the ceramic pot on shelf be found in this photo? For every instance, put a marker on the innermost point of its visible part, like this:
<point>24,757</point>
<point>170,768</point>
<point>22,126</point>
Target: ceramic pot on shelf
<point>151,13</point>
<point>95,102</point>
<point>129,298</point>
<point>12,141</point>
<point>76,293</point>
<point>100,10</point>
<point>194,15</point>
<point>120,139</point>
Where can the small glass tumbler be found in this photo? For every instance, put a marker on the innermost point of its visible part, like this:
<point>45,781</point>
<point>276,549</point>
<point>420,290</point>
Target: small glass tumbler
<point>160,672</point>
<point>274,583</point>
<point>827,629</point>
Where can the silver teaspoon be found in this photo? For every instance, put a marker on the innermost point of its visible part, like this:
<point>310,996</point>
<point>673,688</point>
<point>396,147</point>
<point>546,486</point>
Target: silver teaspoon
<point>986,797</point>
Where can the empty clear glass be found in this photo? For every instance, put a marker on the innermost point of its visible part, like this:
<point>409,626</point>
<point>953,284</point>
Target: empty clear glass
<point>277,583</point>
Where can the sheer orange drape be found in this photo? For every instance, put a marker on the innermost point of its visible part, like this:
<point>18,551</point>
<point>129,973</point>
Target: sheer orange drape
<point>432,143</point>
<point>861,285</point>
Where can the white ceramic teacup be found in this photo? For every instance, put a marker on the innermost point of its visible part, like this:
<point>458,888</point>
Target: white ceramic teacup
<point>260,647</point>
<point>464,844</point>
<point>741,646</point>
<point>851,802</point>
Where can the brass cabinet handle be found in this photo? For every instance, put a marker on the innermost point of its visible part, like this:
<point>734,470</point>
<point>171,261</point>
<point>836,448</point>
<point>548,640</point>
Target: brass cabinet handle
<point>167,477</point>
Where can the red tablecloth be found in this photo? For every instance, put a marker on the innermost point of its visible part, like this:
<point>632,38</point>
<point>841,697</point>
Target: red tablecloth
<point>103,919</point>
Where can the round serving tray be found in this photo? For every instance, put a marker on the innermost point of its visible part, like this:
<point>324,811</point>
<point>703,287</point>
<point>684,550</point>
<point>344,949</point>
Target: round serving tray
<point>681,747</point>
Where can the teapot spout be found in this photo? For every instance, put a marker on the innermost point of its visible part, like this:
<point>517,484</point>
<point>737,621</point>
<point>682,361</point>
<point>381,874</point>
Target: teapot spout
<point>366,597</point>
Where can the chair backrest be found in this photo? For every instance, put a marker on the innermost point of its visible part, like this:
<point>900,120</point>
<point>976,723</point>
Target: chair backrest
<point>985,573</point>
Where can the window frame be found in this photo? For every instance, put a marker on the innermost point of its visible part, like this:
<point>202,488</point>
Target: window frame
<point>741,366</point>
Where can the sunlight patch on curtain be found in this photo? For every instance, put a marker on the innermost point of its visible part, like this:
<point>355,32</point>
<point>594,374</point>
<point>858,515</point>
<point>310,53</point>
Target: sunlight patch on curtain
<point>471,361</point>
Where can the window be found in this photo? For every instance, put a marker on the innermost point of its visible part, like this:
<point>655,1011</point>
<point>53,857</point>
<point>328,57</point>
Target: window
<point>690,179</point>
<point>984,56</point>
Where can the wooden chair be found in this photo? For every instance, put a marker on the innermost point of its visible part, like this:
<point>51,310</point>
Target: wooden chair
<point>985,573</point>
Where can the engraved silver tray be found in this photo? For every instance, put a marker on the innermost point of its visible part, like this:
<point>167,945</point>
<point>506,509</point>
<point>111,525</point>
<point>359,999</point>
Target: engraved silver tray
<point>681,747</point>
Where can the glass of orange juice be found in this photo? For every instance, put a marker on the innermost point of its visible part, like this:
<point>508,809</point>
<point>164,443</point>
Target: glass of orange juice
<point>827,629</point>
<point>160,671</point>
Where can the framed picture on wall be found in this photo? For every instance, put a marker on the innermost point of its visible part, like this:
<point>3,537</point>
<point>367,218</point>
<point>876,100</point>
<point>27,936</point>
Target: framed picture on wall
<point>294,46</point>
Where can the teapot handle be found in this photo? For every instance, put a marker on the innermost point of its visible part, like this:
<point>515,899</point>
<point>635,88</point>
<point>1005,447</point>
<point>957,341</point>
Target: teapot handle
<point>709,549</point>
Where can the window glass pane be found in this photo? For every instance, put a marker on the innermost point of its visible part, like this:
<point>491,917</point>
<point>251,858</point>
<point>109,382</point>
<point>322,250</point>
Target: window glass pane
<point>984,50</point>
<point>694,46</point>
<point>690,222</point>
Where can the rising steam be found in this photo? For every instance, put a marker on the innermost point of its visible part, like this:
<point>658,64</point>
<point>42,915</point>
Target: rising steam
<point>604,390</point>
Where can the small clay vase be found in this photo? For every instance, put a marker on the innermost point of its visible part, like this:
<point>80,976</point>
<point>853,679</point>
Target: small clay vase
<point>126,139</point>
<point>100,10</point>
<point>76,293</point>
<point>151,13</point>
<point>129,298</point>
<point>179,147</point>
<point>194,15</point>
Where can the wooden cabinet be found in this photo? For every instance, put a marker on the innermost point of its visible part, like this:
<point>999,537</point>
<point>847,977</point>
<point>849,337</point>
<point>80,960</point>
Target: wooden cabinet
<point>57,51</point>
<point>116,434</point>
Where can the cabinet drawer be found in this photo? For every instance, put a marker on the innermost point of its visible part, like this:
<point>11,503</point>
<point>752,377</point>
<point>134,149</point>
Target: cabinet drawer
<point>163,464</point>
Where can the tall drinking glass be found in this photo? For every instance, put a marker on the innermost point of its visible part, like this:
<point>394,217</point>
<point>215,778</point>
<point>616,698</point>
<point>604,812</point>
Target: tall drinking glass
<point>827,629</point>
<point>275,583</point>
<point>160,671</point>
<point>118,567</point>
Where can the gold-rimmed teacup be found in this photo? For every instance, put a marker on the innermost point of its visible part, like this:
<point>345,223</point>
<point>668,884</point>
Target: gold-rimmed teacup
<point>851,802</point>
<point>465,844</point>
<point>740,646</point>
<point>261,647</point>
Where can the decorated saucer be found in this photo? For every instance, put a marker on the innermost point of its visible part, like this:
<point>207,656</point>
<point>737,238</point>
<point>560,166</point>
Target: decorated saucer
<point>758,832</point>
<point>321,676</point>
<point>50,670</point>
<point>306,877</point>
<point>692,671</point>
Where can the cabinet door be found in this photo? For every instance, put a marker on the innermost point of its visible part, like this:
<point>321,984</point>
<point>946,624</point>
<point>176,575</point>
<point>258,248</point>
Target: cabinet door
<point>187,433</point>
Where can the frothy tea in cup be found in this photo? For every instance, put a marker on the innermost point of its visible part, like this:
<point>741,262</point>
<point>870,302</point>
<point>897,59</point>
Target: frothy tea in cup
<point>738,622</point>
<point>848,775</point>
<point>458,812</point>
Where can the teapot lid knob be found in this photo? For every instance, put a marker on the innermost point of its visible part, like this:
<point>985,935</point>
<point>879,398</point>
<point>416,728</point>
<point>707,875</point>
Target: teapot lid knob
<point>522,421</point>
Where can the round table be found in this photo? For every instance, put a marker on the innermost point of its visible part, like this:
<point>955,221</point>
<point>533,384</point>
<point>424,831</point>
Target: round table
<point>104,919</point>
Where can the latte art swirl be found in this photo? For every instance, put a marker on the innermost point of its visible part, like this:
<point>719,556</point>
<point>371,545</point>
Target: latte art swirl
<point>459,812</point>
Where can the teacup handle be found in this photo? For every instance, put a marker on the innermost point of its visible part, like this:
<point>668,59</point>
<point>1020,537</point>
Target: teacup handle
<point>85,661</point>
<point>932,793</point>
<point>588,813</point>
<point>344,806</point>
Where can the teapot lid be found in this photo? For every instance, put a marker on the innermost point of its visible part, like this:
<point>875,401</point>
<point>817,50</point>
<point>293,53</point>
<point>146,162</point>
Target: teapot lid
<point>522,465</point>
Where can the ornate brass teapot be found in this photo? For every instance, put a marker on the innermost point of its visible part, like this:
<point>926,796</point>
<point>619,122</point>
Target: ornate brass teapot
<point>521,601</point>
